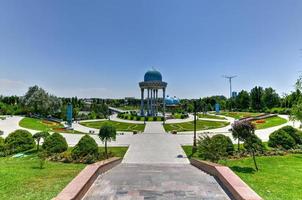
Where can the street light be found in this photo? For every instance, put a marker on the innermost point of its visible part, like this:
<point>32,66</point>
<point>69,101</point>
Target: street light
<point>194,137</point>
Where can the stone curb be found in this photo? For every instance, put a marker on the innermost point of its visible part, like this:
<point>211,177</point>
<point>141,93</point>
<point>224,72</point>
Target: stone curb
<point>78,187</point>
<point>238,189</point>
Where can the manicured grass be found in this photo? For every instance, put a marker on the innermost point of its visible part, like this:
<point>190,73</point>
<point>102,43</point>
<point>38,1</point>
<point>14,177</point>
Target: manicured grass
<point>116,151</point>
<point>120,126</point>
<point>269,122</point>
<point>201,115</point>
<point>129,108</point>
<point>137,118</point>
<point>21,178</point>
<point>278,178</point>
<point>200,125</point>
<point>38,124</point>
<point>240,115</point>
<point>2,118</point>
<point>44,125</point>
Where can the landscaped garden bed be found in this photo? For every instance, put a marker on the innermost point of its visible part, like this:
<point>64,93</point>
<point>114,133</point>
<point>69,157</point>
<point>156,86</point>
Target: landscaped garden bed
<point>30,171</point>
<point>120,126</point>
<point>200,125</point>
<point>277,174</point>
<point>44,125</point>
<point>135,117</point>
<point>240,115</point>
<point>269,122</point>
<point>201,115</point>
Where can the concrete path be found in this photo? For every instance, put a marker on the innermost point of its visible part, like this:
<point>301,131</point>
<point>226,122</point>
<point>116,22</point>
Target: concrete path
<point>162,182</point>
<point>155,146</point>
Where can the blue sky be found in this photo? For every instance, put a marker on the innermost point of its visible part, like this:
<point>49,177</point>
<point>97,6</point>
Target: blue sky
<point>103,48</point>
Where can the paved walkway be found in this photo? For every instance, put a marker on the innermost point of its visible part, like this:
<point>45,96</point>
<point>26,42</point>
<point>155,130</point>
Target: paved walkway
<point>164,182</point>
<point>155,146</point>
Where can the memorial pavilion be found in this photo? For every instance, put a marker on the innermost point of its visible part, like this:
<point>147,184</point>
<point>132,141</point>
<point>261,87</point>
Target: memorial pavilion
<point>152,83</point>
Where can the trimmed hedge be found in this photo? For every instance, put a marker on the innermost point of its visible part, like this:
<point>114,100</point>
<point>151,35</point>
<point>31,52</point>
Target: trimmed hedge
<point>281,138</point>
<point>2,147</point>
<point>294,133</point>
<point>18,141</point>
<point>55,143</point>
<point>85,147</point>
<point>225,139</point>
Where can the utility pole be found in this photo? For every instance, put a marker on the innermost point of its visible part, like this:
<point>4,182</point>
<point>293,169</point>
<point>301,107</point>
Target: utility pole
<point>230,81</point>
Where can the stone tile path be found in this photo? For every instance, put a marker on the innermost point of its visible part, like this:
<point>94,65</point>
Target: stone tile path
<point>162,182</point>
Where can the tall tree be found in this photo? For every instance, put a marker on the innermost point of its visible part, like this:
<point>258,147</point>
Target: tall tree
<point>243,100</point>
<point>107,133</point>
<point>256,98</point>
<point>270,98</point>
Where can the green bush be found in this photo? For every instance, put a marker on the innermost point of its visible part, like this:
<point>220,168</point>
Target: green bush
<point>154,118</point>
<point>294,133</point>
<point>55,143</point>
<point>212,149</point>
<point>138,118</point>
<point>85,147</point>
<point>18,141</point>
<point>2,147</point>
<point>255,143</point>
<point>131,117</point>
<point>280,138</point>
<point>225,139</point>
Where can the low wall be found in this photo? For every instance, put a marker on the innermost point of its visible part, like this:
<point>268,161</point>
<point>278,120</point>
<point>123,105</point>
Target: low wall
<point>78,187</point>
<point>229,180</point>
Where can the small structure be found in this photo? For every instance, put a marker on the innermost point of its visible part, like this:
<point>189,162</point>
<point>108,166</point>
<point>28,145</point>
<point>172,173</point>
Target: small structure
<point>69,115</point>
<point>152,83</point>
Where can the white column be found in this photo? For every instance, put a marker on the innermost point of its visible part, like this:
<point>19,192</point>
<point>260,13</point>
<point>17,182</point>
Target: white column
<point>142,102</point>
<point>164,103</point>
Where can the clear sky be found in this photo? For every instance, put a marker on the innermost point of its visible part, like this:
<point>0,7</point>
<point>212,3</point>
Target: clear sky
<point>102,49</point>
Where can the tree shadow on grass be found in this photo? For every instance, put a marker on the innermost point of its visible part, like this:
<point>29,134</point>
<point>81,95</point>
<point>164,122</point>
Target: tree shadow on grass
<point>246,170</point>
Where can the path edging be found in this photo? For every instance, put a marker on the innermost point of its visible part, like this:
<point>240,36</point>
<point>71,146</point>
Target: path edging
<point>235,186</point>
<point>78,187</point>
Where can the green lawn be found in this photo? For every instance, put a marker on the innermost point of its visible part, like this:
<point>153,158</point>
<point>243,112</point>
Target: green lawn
<point>1,118</point>
<point>44,125</point>
<point>270,122</point>
<point>240,115</point>
<point>189,126</point>
<point>278,178</point>
<point>201,115</point>
<point>126,108</point>
<point>21,178</point>
<point>120,126</point>
<point>38,124</point>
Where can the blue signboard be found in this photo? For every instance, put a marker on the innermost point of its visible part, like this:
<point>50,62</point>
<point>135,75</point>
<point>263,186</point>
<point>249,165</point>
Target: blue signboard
<point>217,108</point>
<point>69,114</point>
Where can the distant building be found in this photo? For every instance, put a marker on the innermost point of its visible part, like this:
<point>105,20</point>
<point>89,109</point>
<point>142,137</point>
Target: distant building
<point>172,101</point>
<point>234,94</point>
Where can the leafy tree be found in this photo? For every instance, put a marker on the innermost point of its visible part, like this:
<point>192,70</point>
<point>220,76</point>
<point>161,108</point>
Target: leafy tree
<point>243,100</point>
<point>253,144</point>
<point>241,129</point>
<point>107,133</point>
<point>256,98</point>
<point>270,98</point>
<point>38,136</point>
<point>296,111</point>
<point>38,101</point>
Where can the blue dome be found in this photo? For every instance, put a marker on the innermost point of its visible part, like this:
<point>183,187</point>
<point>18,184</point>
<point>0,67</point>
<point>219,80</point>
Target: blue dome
<point>172,101</point>
<point>152,75</point>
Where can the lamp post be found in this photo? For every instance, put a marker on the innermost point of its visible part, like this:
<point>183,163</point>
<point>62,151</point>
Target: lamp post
<point>194,137</point>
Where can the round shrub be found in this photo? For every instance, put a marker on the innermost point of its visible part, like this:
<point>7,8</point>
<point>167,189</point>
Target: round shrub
<point>254,143</point>
<point>86,146</point>
<point>280,138</point>
<point>219,138</point>
<point>138,118</point>
<point>55,143</point>
<point>18,141</point>
<point>294,133</point>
